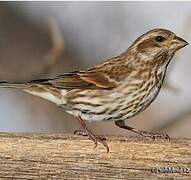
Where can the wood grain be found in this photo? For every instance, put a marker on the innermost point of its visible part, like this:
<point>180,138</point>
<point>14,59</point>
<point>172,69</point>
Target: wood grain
<point>58,156</point>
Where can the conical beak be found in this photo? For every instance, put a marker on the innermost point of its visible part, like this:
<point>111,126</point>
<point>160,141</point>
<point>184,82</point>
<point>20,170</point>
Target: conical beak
<point>179,43</point>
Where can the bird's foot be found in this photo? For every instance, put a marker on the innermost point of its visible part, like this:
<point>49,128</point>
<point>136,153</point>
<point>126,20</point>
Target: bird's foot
<point>155,136</point>
<point>93,137</point>
<point>80,133</point>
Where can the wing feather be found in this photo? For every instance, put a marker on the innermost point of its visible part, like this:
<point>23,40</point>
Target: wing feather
<point>79,79</point>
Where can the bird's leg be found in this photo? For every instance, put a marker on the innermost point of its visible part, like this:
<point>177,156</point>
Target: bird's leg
<point>146,134</point>
<point>92,136</point>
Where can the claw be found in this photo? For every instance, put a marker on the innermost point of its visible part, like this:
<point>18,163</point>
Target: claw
<point>95,144</point>
<point>95,139</point>
<point>155,136</point>
<point>167,137</point>
<point>80,133</point>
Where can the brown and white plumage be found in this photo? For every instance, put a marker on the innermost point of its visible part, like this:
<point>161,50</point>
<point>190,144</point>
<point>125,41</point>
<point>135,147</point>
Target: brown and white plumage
<point>117,89</point>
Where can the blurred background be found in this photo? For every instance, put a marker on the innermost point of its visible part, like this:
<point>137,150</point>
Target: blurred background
<point>44,39</point>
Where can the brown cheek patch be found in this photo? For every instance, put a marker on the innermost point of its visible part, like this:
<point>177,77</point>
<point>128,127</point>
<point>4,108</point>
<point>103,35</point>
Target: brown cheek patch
<point>146,45</point>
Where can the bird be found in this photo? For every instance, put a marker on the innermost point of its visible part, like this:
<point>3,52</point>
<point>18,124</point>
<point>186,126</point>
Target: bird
<point>114,90</point>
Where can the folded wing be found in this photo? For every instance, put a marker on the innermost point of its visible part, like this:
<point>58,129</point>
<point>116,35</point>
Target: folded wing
<point>81,80</point>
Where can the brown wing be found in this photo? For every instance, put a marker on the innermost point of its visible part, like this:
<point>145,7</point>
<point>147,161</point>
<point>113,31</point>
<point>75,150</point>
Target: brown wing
<point>99,79</point>
<point>80,79</point>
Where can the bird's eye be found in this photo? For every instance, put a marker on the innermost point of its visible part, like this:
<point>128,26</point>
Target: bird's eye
<point>159,38</point>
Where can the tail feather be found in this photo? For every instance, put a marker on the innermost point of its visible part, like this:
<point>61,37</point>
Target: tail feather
<point>5,84</point>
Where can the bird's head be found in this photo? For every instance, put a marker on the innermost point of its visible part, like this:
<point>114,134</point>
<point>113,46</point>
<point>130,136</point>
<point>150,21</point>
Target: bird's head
<point>157,46</point>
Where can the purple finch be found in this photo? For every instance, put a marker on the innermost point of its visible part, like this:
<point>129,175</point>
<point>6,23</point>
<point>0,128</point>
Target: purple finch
<point>115,90</point>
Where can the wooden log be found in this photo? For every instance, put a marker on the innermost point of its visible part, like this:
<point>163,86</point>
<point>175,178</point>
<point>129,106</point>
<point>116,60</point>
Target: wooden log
<point>56,156</point>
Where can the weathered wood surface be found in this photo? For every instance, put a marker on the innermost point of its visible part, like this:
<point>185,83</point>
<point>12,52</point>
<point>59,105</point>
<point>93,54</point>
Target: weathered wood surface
<point>56,156</point>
